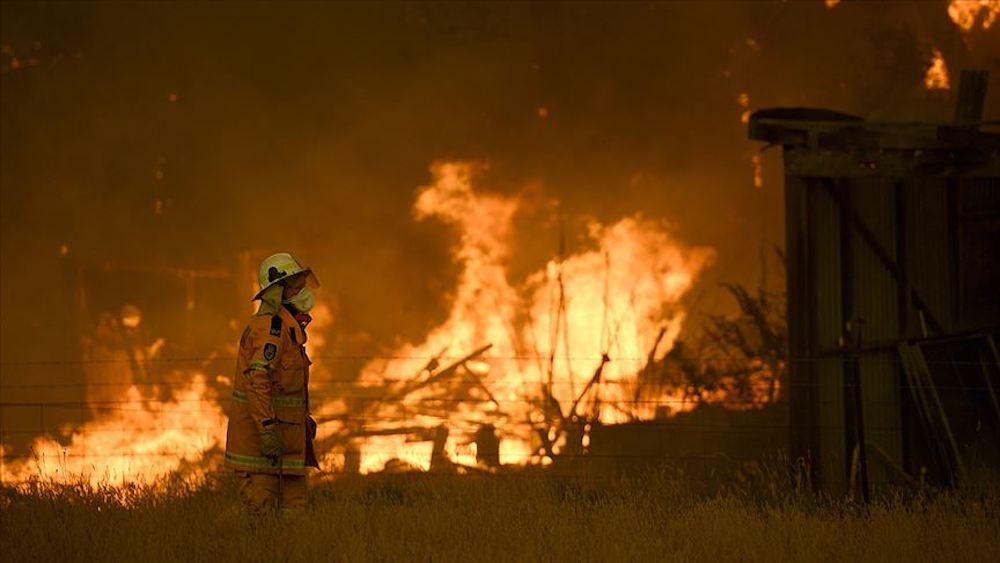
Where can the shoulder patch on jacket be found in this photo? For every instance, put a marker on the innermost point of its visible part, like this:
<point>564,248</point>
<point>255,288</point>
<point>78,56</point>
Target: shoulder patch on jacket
<point>270,350</point>
<point>276,325</point>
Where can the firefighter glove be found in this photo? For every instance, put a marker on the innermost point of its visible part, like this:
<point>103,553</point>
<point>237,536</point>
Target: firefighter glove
<point>270,445</point>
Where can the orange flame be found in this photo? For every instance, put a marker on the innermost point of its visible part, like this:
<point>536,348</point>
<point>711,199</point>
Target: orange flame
<point>134,441</point>
<point>609,300</point>
<point>966,13</point>
<point>937,77</point>
<point>605,309</point>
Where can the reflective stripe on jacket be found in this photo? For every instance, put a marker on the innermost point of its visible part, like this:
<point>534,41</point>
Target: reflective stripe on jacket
<point>271,382</point>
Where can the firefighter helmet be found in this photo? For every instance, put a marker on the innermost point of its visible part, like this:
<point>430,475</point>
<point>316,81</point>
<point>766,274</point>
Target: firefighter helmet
<point>279,267</point>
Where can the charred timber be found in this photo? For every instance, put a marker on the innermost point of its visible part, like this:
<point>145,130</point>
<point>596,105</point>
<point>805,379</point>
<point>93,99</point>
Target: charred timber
<point>441,375</point>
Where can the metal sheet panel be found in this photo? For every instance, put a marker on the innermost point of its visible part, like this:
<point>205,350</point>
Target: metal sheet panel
<point>802,429</point>
<point>927,243</point>
<point>923,243</point>
<point>825,309</point>
<point>979,231</point>
<point>874,301</point>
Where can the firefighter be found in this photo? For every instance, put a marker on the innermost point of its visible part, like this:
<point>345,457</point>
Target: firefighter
<point>269,441</point>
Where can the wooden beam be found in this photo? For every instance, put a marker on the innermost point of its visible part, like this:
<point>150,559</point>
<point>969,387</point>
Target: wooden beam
<point>800,161</point>
<point>803,426</point>
<point>848,135</point>
<point>410,386</point>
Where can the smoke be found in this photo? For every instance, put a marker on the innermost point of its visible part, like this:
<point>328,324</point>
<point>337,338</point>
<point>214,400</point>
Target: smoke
<point>142,140</point>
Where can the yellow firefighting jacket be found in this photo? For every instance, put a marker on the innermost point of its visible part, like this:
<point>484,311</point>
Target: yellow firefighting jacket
<point>271,386</point>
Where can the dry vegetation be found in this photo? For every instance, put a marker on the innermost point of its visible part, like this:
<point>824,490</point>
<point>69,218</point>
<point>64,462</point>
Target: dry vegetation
<point>516,517</point>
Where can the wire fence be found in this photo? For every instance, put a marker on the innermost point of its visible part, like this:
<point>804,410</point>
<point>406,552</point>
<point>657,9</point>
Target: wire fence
<point>81,434</point>
<point>387,412</point>
<point>355,422</point>
<point>428,358</point>
<point>361,385</point>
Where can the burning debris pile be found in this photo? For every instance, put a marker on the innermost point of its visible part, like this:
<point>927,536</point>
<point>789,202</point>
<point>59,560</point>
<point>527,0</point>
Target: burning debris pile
<point>519,372</point>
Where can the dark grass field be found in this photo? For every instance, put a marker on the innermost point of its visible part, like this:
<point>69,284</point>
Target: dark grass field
<point>517,517</point>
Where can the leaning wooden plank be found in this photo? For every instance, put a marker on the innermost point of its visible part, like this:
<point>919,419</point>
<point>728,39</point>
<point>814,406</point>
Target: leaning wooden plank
<point>941,415</point>
<point>451,368</point>
<point>411,386</point>
<point>922,404</point>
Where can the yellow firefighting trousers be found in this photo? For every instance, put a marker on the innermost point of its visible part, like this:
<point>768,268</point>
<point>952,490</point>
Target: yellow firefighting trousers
<point>263,493</point>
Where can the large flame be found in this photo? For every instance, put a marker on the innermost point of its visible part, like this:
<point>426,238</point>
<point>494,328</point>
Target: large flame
<point>133,440</point>
<point>600,311</point>
<point>517,363</point>
<point>136,437</point>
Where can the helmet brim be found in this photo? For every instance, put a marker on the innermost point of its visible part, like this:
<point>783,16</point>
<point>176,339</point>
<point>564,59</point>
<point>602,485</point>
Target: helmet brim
<point>311,280</point>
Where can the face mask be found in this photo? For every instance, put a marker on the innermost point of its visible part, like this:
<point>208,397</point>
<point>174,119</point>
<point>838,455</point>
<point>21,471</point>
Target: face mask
<point>303,300</point>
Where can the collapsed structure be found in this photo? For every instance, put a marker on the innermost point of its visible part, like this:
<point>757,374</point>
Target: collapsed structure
<point>893,266</point>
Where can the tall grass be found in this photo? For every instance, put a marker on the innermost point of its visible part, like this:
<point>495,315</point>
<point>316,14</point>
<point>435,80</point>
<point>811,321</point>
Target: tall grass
<point>524,516</point>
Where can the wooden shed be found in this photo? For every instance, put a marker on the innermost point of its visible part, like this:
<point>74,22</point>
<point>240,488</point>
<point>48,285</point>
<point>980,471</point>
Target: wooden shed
<point>893,265</point>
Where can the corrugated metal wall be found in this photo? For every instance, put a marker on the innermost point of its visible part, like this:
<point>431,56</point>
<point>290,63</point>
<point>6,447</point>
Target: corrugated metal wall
<point>979,231</point>
<point>927,246</point>
<point>825,307</point>
<point>895,225</point>
<point>855,269</point>
<point>802,392</point>
<point>875,301</point>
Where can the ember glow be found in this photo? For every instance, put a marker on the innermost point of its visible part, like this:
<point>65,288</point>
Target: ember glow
<point>937,73</point>
<point>744,102</point>
<point>758,170</point>
<point>504,348</point>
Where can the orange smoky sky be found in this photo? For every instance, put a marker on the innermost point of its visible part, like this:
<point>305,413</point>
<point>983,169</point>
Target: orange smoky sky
<point>173,136</point>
